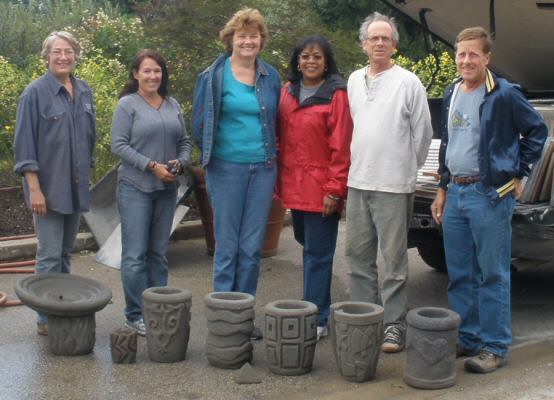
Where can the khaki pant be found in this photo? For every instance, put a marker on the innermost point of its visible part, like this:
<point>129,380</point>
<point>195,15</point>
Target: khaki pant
<point>379,219</point>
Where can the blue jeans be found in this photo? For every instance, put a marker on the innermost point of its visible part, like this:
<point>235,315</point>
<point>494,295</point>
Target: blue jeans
<point>318,237</point>
<point>477,242</point>
<point>240,195</point>
<point>146,220</point>
<point>56,235</point>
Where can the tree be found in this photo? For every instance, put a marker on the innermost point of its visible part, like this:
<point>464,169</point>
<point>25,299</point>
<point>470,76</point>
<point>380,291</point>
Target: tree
<point>347,15</point>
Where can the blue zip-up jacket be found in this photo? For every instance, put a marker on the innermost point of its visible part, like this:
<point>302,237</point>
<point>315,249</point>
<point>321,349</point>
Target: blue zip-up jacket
<point>504,115</point>
<point>207,103</point>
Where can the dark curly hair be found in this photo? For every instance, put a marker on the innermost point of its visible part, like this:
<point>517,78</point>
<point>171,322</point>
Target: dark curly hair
<point>294,75</point>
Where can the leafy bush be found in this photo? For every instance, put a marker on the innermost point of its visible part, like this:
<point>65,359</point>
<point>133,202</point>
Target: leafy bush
<point>13,82</point>
<point>106,78</point>
<point>426,67</point>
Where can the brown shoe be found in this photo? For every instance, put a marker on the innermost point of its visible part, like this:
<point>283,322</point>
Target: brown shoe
<point>465,352</point>
<point>42,329</point>
<point>485,362</point>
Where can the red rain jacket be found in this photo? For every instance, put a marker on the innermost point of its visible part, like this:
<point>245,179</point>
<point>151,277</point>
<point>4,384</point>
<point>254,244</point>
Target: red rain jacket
<point>313,146</point>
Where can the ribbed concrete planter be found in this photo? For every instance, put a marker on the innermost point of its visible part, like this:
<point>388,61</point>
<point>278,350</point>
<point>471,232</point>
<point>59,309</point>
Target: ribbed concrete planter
<point>356,334</point>
<point>230,317</point>
<point>431,340</point>
<point>70,302</point>
<point>123,346</point>
<point>290,336</point>
<point>167,319</point>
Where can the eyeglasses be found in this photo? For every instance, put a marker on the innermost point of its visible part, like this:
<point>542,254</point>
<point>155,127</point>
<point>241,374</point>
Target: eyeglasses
<point>375,39</point>
<point>59,52</point>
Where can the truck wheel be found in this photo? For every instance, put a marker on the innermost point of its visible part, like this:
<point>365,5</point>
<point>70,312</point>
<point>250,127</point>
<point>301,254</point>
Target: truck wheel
<point>433,257</point>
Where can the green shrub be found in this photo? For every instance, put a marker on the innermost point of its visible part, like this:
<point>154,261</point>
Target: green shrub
<point>425,68</point>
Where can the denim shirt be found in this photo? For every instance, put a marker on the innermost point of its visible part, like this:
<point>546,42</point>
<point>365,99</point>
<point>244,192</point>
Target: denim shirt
<point>512,136</point>
<point>56,140</point>
<point>207,103</point>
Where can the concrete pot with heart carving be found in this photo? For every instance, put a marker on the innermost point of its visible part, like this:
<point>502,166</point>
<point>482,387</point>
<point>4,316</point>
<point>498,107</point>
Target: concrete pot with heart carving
<point>431,340</point>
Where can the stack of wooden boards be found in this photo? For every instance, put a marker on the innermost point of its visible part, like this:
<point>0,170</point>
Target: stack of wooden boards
<point>538,186</point>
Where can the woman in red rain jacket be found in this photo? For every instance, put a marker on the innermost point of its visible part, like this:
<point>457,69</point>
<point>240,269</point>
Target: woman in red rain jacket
<point>314,136</point>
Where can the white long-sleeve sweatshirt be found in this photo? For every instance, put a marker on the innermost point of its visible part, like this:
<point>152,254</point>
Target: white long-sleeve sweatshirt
<point>392,130</point>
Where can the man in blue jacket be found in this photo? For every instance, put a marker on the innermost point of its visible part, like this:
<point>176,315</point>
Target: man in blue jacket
<point>490,137</point>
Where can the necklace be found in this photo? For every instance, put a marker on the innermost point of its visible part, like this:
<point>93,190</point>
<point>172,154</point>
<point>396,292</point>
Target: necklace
<point>153,101</point>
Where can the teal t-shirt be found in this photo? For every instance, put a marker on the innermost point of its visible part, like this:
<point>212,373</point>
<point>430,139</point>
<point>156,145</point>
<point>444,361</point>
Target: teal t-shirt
<point>239,135</point>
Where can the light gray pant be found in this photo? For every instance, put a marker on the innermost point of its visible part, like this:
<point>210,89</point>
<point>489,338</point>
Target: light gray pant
<point>379,219</point>
<point>56,235</point>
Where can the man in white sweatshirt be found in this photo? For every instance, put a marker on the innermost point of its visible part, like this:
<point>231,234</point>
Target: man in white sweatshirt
<point>392,134</point>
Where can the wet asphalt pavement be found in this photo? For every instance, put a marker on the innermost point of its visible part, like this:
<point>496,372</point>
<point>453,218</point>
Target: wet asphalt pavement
<point>29,371</point>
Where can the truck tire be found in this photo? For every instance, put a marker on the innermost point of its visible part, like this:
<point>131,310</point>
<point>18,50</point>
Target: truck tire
<point>433,256</point>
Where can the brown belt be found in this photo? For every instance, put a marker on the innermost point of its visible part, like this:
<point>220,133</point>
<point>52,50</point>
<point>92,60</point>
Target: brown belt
<point>465,180</point>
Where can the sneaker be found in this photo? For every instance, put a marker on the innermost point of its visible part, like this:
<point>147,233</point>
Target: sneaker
<point>256,334</point>
<point>42,329</point>
<point>137,325</point>
<point>485,362</point>
<point>322,331</point>
<point>465,352</point>
<point>394,339</point>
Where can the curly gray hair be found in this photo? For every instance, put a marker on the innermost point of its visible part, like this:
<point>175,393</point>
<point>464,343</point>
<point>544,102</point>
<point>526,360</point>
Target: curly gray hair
<point>374,18</point>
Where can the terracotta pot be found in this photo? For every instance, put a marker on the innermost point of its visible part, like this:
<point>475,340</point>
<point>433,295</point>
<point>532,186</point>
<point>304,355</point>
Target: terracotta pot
<point>204,207</point>
<point>230,318</point>
<point>431,340</point>
<point>357,334</point>
<point>290,336</point>
<point>167,320</point>
<point>274,223</point>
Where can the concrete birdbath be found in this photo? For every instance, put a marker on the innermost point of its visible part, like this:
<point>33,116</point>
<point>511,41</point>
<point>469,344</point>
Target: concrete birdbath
<point>70,302</point>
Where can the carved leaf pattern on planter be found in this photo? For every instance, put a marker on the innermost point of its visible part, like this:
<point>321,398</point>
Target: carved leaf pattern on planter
<point>71,335</point>
<point>163,323</point>
<point>355,345</point>
<point>432,351</point>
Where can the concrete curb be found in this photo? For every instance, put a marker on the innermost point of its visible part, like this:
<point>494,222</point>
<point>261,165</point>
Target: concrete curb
<point>24,249</point>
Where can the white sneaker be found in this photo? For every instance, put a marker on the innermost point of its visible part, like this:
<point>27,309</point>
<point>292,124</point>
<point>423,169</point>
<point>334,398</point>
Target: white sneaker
<point>322,331</point>
<point>137,326</point>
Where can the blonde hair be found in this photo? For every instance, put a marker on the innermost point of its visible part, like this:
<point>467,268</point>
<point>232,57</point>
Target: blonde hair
<point>244,18</point>
<point>68,37</point>
<point>475,33</point>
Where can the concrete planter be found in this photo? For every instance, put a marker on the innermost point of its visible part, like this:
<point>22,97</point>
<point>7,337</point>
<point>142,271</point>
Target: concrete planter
<point>230,318</point>
<point>167,319</point>
<point>431,348</point>
<point>123,346</point>
<point>70,302</point>
<point>356,334</point>
<point>290,336</point>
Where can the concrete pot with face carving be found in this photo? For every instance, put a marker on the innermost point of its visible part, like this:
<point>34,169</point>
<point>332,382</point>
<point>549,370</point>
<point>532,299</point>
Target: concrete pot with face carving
<point>431,340</point>
<point>167,319</point>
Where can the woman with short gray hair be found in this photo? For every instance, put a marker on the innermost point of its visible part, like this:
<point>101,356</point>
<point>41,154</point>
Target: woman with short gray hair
<point>55,135</point>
